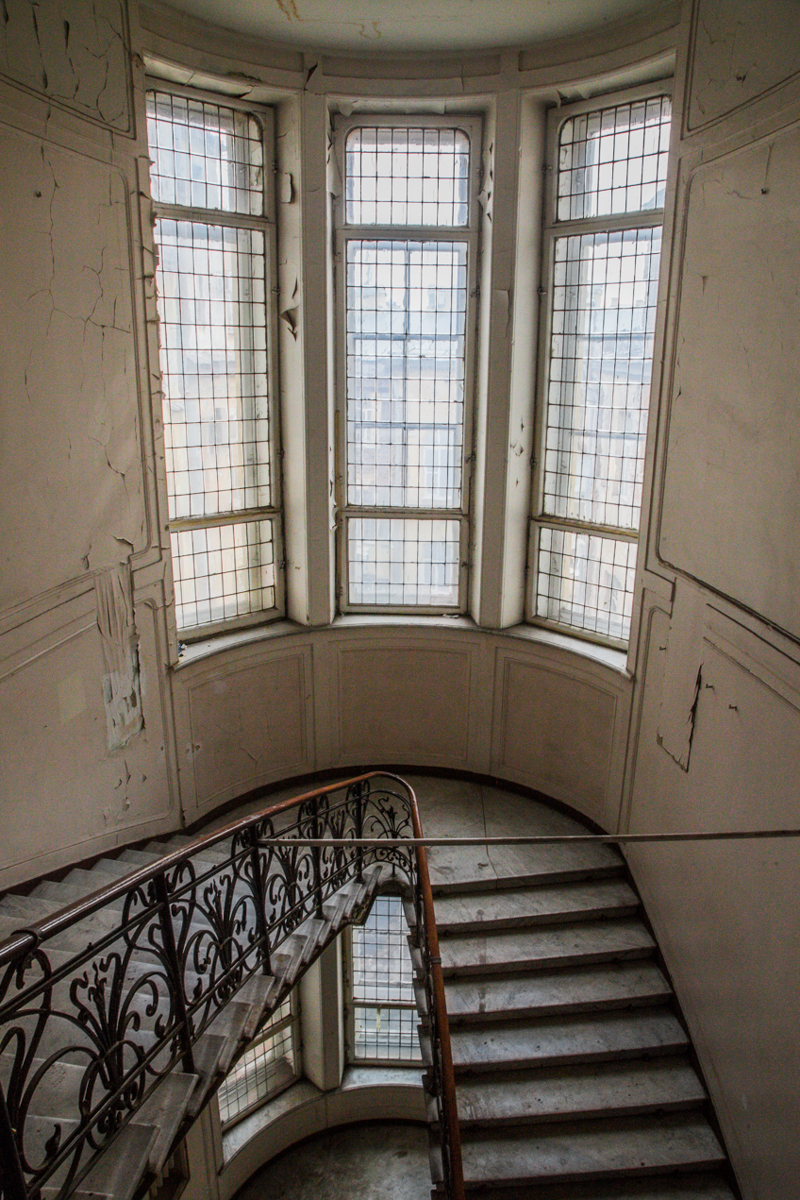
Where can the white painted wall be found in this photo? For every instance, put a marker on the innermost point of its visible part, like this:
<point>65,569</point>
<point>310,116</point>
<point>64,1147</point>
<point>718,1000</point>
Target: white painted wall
<point>88,763</point>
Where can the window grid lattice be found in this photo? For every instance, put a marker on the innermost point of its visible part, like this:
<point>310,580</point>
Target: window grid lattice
<point>213,323</point>
<point>406,175</point>
<point>266,1068</point>
<point>204,155</point>
<point>395,561</point>
<point>406,325</point>
<point>586,581</point>
<point>385,1016</point>
<point>604,309</point>
<point>614,160</point>
<point>223,571</point>
<point>214,367</point>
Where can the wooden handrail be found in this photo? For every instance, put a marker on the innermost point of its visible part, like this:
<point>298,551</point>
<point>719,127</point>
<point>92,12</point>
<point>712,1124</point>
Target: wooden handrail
<point>435,959</point>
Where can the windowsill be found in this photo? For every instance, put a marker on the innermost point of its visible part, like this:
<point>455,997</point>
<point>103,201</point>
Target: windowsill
<point>304,1093</point>
<point>607,656</point>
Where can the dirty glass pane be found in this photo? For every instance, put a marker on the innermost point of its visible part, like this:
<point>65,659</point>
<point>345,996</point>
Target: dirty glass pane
<point>586,581</point>
<point>223,571</point>
<point>603,320</point>
<point>213,324</point>
<point>204,155</point>
<point>403,560</point>
<point>614,160</point>
<point>406,176</point>
<point>385,1015</point>
<point>406,331</point>
<point>265,1069</point>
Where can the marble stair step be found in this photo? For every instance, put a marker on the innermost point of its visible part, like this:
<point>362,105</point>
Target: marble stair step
<point>567,1093</point>
<point>675,1186</point>
<point>592,1150</point>
<point>559,945</point>
<point>579,989</point>
<point>207,861</point>
<point>165,1110</point>
<point>471,869</point>
<point>66,892</point>
<point>117,1173</point>
<point>217,852</point>
<point>515,1045</point>
<point>91,880</point>
<point>512,907</point>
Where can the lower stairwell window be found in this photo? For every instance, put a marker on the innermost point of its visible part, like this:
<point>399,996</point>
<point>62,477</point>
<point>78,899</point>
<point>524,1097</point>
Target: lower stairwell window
<point>382,1014</point>
<point>269,1066</point>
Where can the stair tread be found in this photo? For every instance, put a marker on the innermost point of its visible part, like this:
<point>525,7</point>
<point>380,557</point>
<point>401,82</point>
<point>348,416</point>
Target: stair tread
<point>568,943</point>
<point>165,1110</point>
<point>474,870</point>
<point>119,1170</point>
<point>586,1038</point>
<point>598,1148</point>
<point>683,1185</point>
<point>521,906</point>
<point>602,1089</point>
<point>614,984</point>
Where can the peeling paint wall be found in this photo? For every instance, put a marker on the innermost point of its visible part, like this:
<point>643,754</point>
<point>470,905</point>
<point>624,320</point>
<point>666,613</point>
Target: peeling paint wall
<point>74,52</point>
<point>84,712</point>
<point>89,754</point>
<point>715,745</point>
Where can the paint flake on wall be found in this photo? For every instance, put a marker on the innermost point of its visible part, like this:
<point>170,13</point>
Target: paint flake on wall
<point>120,649</point>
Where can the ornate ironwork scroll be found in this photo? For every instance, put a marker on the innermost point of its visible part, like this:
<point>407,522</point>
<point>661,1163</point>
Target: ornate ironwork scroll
<point>101,1000</point>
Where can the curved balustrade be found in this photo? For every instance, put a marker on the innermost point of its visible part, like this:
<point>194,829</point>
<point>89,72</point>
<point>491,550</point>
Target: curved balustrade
<point>103,1000</point>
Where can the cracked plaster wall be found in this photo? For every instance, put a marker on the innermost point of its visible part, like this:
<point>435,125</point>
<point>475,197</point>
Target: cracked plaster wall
<point>83,702</point>
<point>717,742</point>
<point>75,500</point>
<point>75,52</point>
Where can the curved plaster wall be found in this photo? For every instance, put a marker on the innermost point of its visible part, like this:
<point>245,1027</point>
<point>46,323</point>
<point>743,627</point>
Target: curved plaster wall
<point>104,739</point>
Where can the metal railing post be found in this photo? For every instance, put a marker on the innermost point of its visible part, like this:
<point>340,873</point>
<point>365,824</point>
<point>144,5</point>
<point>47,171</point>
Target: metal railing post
<point>258,891</point>
<point>359,824</point>
<point>176,975</point>
<point>316,853</point>
<point>12,1177</point>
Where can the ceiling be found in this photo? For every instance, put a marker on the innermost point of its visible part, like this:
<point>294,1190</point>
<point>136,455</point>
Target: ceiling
<point>391,25</point>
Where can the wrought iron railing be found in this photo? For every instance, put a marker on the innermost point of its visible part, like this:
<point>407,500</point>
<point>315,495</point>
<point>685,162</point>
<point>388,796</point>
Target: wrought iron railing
<point>105,998</point>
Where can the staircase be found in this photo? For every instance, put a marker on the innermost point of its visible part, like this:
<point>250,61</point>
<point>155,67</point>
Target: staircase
<point>107,1015</point>
<point>574,1072</point>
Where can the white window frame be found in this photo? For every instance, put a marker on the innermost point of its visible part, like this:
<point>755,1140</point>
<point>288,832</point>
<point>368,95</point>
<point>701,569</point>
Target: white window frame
<point>266,224</point>
<point>552,230</point>
<point>470,233</point>
<point>273,1027</point>
<point>350,1003</point>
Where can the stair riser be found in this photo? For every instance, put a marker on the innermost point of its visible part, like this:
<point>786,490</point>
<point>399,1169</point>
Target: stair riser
<point>580,1058</point>
<point>582,959</point>
<point>533,921</point>
<point>485,1125</point>
<point>510,1187</point>
<point>511,882</point>
<point>623,1003</point>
